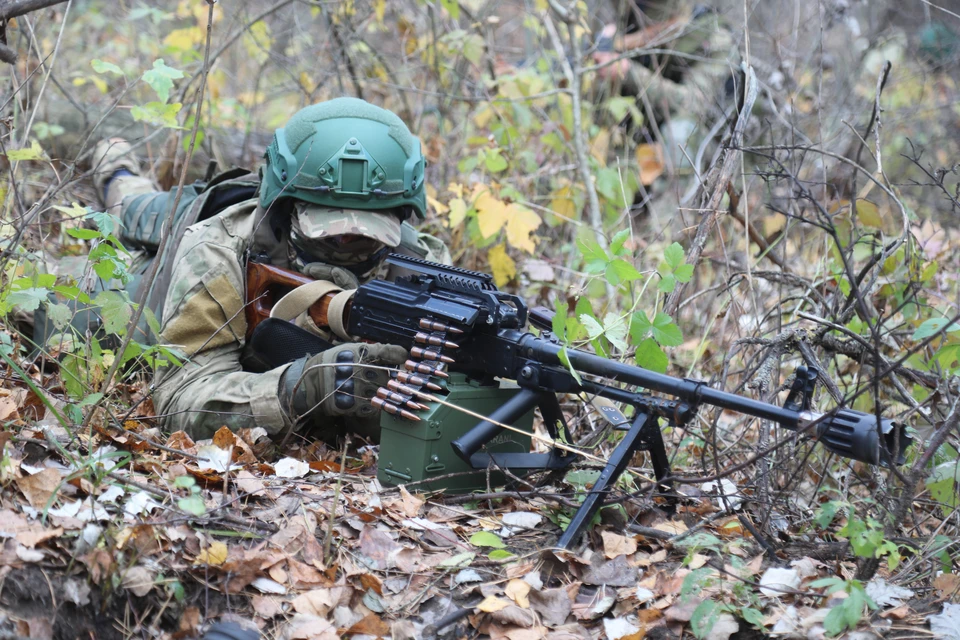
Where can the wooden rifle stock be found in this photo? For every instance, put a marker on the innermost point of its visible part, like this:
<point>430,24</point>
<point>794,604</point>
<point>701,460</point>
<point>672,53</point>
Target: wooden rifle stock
<point>266,284</point>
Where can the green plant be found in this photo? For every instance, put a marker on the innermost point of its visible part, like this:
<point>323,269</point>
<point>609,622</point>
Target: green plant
<point>849,612</point>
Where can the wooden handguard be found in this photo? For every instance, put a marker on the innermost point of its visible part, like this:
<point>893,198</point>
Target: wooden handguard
<point>266,284</point>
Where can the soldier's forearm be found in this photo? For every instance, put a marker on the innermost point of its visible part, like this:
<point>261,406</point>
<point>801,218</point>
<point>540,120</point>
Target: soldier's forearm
<point>201,397</point>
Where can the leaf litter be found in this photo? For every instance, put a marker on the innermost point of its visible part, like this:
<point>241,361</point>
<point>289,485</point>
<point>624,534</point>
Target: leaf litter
<point>308,545</point>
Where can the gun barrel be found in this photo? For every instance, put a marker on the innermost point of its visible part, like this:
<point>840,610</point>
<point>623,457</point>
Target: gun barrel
<point>849,433</point>
<point>691,391</point>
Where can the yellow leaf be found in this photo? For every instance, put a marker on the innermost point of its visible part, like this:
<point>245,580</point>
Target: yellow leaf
<point>517,591</point>
<point>436,205</point>
<point>869,214</point>
<point>306,82</point>
<point>35,152</point>
<point>184,39</point>
<point>214,555</point>
<point>456,189</point>
<point>257,41</point>
<point>521,222</point>
<point>380,10</point>
<point>563,204</point>
<point>491,213</point>
<point>458,211</point>
<point>100,83</point>
<point>73,211</point>
<point>491,604</point>
<point>482,117</point>
<point>650,159</point>
<point>599,146</point>
<point>502,265</point>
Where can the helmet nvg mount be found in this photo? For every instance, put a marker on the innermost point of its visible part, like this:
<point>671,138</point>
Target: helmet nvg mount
<point>347,154</point>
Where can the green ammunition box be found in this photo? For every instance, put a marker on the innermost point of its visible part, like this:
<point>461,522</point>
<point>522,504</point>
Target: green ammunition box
<point>415,451</point>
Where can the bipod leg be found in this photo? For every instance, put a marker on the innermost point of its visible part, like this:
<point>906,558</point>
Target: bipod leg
<point>651,438</point>
<point>633,440</point>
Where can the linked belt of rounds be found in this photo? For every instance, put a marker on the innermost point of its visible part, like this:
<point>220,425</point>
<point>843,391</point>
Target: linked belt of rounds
<point>399,397</point>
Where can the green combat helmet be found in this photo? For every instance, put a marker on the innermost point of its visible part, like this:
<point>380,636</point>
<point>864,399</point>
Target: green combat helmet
<point>345,154</point>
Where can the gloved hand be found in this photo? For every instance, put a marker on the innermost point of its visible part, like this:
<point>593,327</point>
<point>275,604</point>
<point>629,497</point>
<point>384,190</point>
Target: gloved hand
<point>331,384</point>
<point>337,275</point>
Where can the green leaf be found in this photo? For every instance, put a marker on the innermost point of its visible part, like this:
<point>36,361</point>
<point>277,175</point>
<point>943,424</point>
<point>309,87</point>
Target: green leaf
<point>105,67</point>
<point>28,299</point>
<point>615,330</point>
<point>84,234</point>
<point>754,616</point>
<point>35,152</point>
<point>473,48</point>
<point>152,321</point>
<point>157,113</point>
<point>620,270</point>
<point>486,539</point>
<point>650,356</point>
<point>619,106</point>
<point>453,8</point>
<point>564,358</point>
<point>60,314</point>
<point>499,554</point>
<point>494,162</point>
<point>932,326</point>
<point>673,255</point>
<point>161,78</point>
<point>835,623</point>
<point>115,310</point>
<point>107,223</point>
<point>91,399</point>
<point>827,512</point>
<point>194,504</point>
<point>703,618</point>
<point>592,325</point>
<point>665,332</point>
<point>640,326</point>
<point>184,482</point>
<point>460,560</point>
<point>684,272</point>
<point>594,257</point>
<point>942,483</point>
<point>616,245</point>
<point>668,282</point>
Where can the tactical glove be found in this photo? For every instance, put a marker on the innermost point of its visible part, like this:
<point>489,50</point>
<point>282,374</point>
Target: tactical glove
<point>334,382</point>
<point>337,275</point>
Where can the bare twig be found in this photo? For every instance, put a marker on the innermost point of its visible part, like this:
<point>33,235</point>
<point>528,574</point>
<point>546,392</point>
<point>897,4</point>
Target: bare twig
<point>730,159</point>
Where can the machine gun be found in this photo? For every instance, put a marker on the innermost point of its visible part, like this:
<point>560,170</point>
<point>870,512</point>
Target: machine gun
<point>455,321</point>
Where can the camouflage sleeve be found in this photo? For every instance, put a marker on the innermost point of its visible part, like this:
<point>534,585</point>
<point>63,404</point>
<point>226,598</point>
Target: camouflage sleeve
<point>436,250</point>
<point>203,316</point>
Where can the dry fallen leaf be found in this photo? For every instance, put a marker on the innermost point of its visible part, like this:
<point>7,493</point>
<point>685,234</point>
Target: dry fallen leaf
<point>291,468</point>
<point>214,555</point>
<point>650,159</point>
<point>39,487</point>
<point>138,580</point>
<point>517,591</point>
<point>616,545</point>
<point>493,603</point>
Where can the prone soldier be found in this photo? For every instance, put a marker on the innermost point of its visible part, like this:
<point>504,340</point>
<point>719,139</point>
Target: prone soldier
<point>340,186</point>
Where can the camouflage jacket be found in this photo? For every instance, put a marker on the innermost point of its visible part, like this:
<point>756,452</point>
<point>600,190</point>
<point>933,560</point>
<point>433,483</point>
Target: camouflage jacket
<point>203,315</point>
